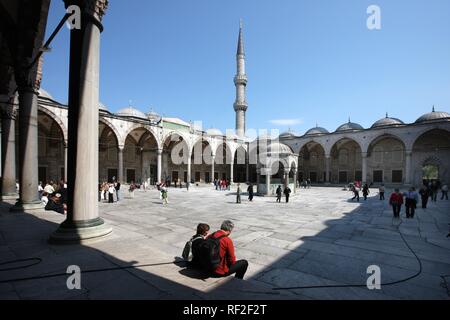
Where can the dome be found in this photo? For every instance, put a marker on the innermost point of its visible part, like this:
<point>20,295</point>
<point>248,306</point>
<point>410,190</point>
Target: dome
<point>131,112</point>
<point>214,132</point>
<point>287,134</point>
<point>385,122</point>
<point>101,106</point>
<point>152,115</point>
<point>316,130</point>
<point>349,126</point>
<point>432,116</point>
<point>278,148</point>
<point>44,94</point>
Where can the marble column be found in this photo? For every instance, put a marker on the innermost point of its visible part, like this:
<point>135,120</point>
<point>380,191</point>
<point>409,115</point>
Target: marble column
<point>213,161</point>
<point>286,177</point>
<point>268,178</point>
<point>258,180</point>
<point>232,172</point>
<point>364,167</point>
<point>189,166</point>
<point>408,179</point>
<point>83,222</point>
<point>120,165</point>
<point>159,165</point>
<point>28,150</point>
<point>295,179</point>
<point>327,169</point>
<point>65,160</point>
<point>9,151</point>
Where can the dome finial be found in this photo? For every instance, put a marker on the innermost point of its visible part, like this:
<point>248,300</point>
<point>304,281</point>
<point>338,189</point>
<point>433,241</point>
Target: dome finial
<point>317,125</point>
<point>433,109</point>
<point>387,115</point>
<point>349,120</point>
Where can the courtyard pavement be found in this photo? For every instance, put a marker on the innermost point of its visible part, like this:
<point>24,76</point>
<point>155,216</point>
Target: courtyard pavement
<point>319,238</point>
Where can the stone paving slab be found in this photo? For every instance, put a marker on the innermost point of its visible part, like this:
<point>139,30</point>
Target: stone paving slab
<point>310,241</point>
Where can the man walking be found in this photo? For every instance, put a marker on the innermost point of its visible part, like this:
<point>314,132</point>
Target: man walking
<point>444,191</point>
<point>238,193</point>
<point>118,191</point>
<point>381,190</point>
<point>411,199</point>
<point>287,193</point>
<point>250,192</point>
<point>278,192</point>
<point>396,201</point>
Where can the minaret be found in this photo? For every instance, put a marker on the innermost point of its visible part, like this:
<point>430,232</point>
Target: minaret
<point>240,81</point>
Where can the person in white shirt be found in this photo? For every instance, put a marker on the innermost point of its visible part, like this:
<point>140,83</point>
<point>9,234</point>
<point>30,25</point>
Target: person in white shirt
<point>40,189</point>
<point>49,189</point>
<point>111,191</point>
<point>44,198</point>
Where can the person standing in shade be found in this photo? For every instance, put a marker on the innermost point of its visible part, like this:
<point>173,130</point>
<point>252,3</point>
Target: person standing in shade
<point>365,191</point>
<point>444,191</point>
<point>434,191</point>
<point>381,190</point>
<point>411,199</point>
<point>278,192</point>
<point>424,195</point>
<point>396,201</point>
<point>111,193</point>
<point>238,193</point>
<point>250,192</point>
<point>287,193</point>
<point>117,186</point>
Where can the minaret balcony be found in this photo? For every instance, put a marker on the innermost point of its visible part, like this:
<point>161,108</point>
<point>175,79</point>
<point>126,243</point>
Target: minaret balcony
<point>240,79</point>
<point>240,106</point>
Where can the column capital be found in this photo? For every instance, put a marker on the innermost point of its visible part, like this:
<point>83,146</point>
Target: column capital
<point>364,154</point>
<point>120,148</point>
<point>160,151</point>
<point>93,8</point>
<point>408,153</point>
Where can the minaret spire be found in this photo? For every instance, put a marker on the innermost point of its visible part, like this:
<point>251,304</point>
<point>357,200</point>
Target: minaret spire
<point>240,81</point>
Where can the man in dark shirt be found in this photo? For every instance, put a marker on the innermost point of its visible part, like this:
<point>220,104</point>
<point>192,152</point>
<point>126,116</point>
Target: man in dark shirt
<point>55,204</point>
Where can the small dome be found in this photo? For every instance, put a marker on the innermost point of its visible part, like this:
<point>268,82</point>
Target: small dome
<point>214,132</point>
<point>388,121</point>
<point>102,107</point>
<point>152,115</point>
<point>131,112</point>
<point>349,126</point>
<point>45,94</point>
<point>316,131</point>
<point>287,134</point>
<point>433,116</point>
<point>278,148</point>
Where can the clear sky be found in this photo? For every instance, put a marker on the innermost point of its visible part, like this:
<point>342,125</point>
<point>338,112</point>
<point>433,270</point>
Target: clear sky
<point>308,61</point>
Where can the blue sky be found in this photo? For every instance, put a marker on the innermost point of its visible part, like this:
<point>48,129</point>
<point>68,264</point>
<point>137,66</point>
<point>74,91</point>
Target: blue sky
<point>308,61</point>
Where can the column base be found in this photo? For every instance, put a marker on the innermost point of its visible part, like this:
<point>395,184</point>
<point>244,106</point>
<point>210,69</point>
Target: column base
<point>21,206</point>
<point>10,196</point>
<point>76,232</point>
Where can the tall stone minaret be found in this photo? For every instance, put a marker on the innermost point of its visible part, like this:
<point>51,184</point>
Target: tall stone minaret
<point>240,81</point>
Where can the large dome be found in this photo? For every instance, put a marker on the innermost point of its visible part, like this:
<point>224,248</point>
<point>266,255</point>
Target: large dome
<point>131,112</point>
<point>433,116</point>
<point>349,126</point>
<point>316,131</point>
<point>387,121</point>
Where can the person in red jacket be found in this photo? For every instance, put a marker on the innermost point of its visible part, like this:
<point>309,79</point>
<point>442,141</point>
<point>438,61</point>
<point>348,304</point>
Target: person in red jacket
<point>228,264</point>
<point>396,201</point>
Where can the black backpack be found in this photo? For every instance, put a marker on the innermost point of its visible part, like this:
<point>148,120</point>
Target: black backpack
<point>209,253</point>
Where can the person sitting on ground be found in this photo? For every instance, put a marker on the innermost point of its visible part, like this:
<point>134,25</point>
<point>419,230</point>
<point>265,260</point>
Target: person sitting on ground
<point>44,198</point>
<point>191,252</point>
<point>228,264</point>
<point>49,188</point>
<point>55,204</point>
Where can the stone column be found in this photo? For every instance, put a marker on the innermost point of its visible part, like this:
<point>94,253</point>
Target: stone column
<point>364,167</point>
<point>83,222</point>
<point>232,171</point>
<point>120,165</point>
<point>28,149</point>
<point>258,179</point>
<point>408,179</point>
<point>286,177</point>
<point>295,179</point>
<point>9,151</point>
<point>268,177</point>
<point>213,161</point>
<point>65,160</point>
<point>327,169</point>
<point>159,165</point>
<point>189,165</point>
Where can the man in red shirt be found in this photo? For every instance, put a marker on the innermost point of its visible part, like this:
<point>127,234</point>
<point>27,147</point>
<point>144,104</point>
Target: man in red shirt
<point>228,264</point>
<point>396,201</point>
